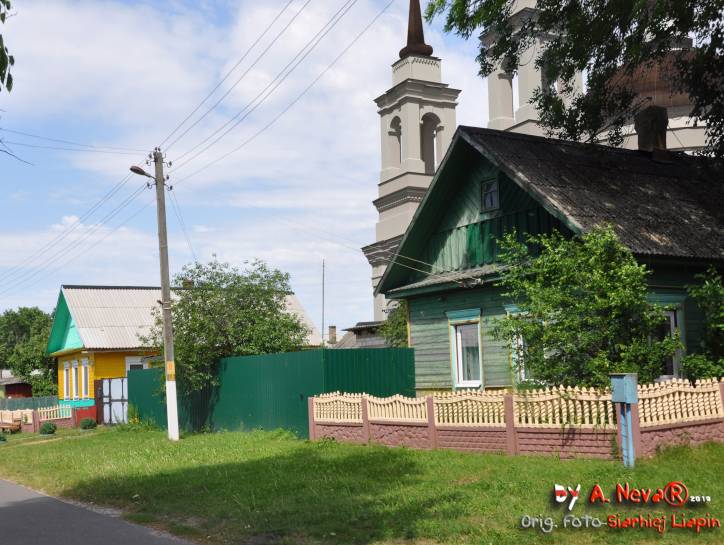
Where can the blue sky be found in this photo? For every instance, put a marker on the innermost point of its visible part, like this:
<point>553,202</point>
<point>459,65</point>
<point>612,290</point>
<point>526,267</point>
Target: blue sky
<point>122,74</point>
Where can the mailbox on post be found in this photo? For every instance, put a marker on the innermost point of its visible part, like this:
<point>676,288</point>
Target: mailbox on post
<point>624,388</point>
<point>624,391</point>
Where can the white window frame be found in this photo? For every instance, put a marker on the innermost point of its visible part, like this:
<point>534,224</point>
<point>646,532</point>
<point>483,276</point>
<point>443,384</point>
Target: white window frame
<point>455,319</point>
<point>85,378</point>
<point>516,344</point>
<point>673,304</point>
<point>66,380</point>
<point>135,360</point>
<point>674,317</point>
<point>74,374</point>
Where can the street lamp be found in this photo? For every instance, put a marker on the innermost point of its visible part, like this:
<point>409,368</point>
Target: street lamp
<point>171,402</point>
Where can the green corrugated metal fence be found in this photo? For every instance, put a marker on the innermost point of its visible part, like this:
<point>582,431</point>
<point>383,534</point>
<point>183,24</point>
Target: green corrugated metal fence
<point>19,403</point>
<point>271,391</point>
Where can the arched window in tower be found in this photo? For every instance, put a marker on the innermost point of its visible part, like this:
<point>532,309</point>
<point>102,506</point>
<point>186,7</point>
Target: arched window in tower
<point>429,142</point>
<point>395,141</point>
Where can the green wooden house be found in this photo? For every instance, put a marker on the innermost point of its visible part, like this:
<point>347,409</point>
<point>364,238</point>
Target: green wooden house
<point>665,207</point>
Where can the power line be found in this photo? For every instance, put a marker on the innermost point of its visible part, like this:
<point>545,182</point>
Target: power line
<point>70,142</point>
<point>179,216</point>
<point>37,146</point>
<point>243,75</point>
<point>302,54</point>
<point>11,272</point>
<point>356,249</point>
<point>76,243</point>
<point>86,250</point>
<point>296,100</point>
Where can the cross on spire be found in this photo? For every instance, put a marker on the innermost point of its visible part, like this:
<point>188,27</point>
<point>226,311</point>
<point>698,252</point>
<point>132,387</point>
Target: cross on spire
<point>415,34</point>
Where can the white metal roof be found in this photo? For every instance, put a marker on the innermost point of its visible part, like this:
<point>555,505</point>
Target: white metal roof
<point>110,317</point>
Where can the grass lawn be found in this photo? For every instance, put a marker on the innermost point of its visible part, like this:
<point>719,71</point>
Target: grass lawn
<point>268,487</point>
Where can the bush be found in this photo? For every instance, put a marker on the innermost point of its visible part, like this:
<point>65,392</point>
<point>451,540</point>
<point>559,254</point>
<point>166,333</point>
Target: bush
<point>696,366</point>
<point>88,424</point>
<point>2,438</point>
<point>48,428</point>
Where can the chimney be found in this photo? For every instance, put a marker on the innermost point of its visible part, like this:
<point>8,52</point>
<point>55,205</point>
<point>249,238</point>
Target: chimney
<point>651,124</point>
<point>332,337</point>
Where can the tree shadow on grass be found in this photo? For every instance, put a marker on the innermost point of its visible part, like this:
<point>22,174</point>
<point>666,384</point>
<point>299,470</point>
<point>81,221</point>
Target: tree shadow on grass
<point>318,493</point>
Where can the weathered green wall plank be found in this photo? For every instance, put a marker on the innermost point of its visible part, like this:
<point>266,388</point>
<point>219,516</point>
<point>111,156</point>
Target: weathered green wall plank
<point>431,338</point>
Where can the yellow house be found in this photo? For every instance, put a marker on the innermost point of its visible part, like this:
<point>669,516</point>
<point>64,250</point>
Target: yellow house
<point>97,334</point>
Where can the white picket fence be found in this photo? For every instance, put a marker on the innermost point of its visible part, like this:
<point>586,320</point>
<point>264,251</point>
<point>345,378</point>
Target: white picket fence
<point>58,412</point>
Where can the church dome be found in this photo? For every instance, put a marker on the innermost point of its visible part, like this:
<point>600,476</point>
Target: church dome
<point>655,81</point>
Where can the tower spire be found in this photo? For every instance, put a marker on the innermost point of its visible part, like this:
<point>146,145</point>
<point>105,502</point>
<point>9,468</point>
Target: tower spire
<point>415,34</point>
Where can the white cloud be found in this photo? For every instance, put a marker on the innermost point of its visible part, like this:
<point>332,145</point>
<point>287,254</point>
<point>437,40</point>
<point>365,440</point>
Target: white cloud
<point>300,192</point>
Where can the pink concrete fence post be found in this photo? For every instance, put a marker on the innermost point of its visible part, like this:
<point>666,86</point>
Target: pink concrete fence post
<point>365,420</point>
<point>721,391</point>
<point>36,421</point>
<point>511,441</point>
<point>312,424</point>
<point>431,427</point>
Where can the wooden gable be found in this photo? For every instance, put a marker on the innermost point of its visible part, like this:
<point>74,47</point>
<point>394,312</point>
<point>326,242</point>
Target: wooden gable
<point>452,232</point>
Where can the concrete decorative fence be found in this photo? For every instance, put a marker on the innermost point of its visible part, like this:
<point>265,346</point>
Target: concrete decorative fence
<point>62,416</point>
<point>677,411</point>
<point>567,421</point>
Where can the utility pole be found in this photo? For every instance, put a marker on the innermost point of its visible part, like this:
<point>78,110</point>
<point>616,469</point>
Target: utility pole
<point>322,303</point>
<point>171,402</point>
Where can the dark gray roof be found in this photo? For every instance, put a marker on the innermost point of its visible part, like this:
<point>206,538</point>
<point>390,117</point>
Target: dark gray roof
<point>659,206</point>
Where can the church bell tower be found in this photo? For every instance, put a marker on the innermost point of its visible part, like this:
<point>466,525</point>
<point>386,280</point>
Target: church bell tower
<point>417,122</point>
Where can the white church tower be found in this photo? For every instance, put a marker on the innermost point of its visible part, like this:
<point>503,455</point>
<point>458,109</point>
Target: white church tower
<point>417,122</point>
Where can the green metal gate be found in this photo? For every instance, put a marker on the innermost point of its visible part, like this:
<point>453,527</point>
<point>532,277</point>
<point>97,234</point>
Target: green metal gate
<point>271,391</point>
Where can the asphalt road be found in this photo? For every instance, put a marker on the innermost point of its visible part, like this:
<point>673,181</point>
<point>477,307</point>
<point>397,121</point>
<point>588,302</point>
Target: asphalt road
<point>29,518</point>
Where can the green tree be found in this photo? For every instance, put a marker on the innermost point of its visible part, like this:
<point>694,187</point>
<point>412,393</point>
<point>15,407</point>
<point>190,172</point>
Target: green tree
<point>611,41</point>
<point>708,362</point>
<point>23,339</point>
<point>227,312</point>
<point>6,59</point>
<point>394,329</point>
<point>583,311</point>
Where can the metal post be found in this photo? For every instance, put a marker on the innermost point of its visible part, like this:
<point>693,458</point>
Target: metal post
<point>171,403</point>
<point>624,393</point>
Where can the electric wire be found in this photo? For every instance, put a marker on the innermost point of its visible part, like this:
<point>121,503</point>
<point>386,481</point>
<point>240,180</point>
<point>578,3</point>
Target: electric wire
<point>87,250</point>
<point>240,78</point>
<point>355,249</point>
<point>301,55</point>
<point>74,243</point>
<point>58,148</point>
<point>70,142</point>
<point>29,259</point>
<point>293,102</point>
<point>182,223</point>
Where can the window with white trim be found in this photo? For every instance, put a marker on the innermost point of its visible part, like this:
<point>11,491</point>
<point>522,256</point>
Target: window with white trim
<point>135,362</point>
<point>66,380</point>
<point>466,349</point>
<point>670,327</point>
<point>86,378</point>
<point>75,379</point>
<point>517,349</point>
